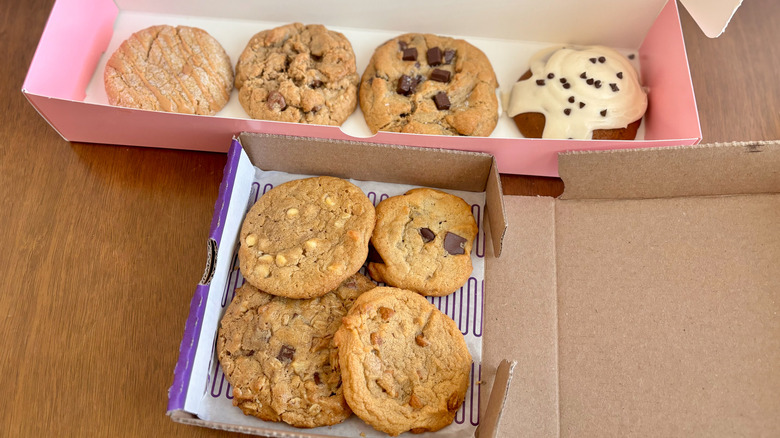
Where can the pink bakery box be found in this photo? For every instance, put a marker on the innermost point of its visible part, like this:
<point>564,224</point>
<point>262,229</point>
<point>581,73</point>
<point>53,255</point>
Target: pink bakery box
<point>64,82</point>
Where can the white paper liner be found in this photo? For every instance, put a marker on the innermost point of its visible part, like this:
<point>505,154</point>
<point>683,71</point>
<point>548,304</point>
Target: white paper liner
<point>464,306</point>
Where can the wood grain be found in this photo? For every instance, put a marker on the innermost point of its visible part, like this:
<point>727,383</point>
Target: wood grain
<point>103,245</point>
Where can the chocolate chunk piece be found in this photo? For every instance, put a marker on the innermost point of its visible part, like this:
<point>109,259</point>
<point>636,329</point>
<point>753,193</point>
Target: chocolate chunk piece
<point>620,75</point>
<point>442,101</point>
<point>593,60</point>
<point>582,104</point>
<point>563,80</point>
<point>286,354</point>
<point>409,54</point>
<point>597,84</point>
<point>567,111</point>
<point>454,244</point>
<point>449,55</point>
<point>540,82</point>
<point>571,99</point>
<point>440,75</point>
<point>603,113</point>
<point>550,76</point>
<point>405,85</point>
<point>434,56</point>
<point>583,75</point>
<point>567,85</point>
<point>602,59</point>
<point>614,87</point>
<point>589,81</point>
<point>427,234</point>
<point>276,101</point>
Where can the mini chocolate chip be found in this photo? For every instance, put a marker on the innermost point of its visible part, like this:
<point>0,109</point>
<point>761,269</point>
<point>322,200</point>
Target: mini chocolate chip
<point>315,83</point>
<point>317,378</point>
<point>590,81</point>
<point>593,60</point>
<point>620,75</point>
<point>440,75</point>
<point>434,56</point>
<point>582,104</point>
<point>563,80</point>
<point>275,101</point>
<point>427,234</point>
<point>454,244</point>
<point>402,45</point>
<point>409,54</point>
<point>442,101</point>
<point>317,58</point>
<point>597,84</point>
<point>567,85</point>
<point>583,75</point>
<point>602,59</point>
<point>567,111</point>
<point>571,99</point>
<point>286,353</point>
<point>404,85</point>
<point>550,76</point>
<point>449,55</point>
<point>603,113</point>
<point>631,56</point>
<point>540,82</point>
<point>614,87</point>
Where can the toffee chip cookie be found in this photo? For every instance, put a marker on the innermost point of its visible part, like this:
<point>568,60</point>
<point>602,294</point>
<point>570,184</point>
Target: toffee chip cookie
<point>302,238</point>
<point>424,239</point>
<point>297,73</point>
<point>404,364</point>
<point>279,356</point>
<point>429,84</point>
<point>588,92</point>
<point>174,69</point>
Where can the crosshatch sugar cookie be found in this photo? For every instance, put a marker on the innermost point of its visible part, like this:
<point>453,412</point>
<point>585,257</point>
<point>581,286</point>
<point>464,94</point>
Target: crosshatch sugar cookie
<point>424,239</point>
<point>302,238</point>
<point>590,92</point>
<point>429,84</point>
<point>297,73</point>
<point>278,354</point>
<point>175,69</point>
<point>404,364</point>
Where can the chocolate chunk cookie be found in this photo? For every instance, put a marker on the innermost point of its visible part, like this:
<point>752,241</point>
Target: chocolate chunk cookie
<point>404,364</point>
<point>297,73</point>
<point>424,238</point>
<point>175,69</point>
<point>302,238</point>
<point>429,84</point>
<point>279,356</point>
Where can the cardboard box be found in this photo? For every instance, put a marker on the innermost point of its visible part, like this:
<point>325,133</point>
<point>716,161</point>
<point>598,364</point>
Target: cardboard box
<point>64,82</point>
<point>643,302</point>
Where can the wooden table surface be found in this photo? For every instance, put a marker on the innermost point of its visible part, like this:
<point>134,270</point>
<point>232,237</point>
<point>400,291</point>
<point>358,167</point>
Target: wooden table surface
<point>103,245</point>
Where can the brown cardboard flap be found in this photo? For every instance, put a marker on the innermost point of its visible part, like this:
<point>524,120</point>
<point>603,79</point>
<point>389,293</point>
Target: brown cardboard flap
<point>722,169</point>
<point>489,424</point>
<point>430,167</point>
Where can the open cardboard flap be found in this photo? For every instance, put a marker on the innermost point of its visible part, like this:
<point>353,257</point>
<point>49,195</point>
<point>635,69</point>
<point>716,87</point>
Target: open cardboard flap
<point>645,301</point>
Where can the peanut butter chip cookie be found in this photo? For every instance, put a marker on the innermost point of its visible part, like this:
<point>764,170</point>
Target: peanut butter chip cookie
<point>175,69</point>
<point>423,239</point>
<point>429,84</point>
<point>303,238</point>
<point>297,73</point>
<point>279,356</point>
<point>404,364</point>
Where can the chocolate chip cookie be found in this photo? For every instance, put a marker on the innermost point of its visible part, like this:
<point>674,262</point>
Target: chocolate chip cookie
<point>424,239</point>
<point>429,84</point>
<point>279,356</point>
<point>297,73</point>
<point>175,69</point>
<point>302,238</point>
<point>404,364</point>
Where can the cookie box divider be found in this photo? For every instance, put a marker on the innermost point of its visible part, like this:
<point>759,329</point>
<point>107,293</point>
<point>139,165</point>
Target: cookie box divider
<point>64,81</point>
<point>440,168</point>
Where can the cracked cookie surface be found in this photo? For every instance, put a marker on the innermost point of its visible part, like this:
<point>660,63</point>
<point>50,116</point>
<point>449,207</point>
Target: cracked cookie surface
<point>404,364</point>
<point>278,354</point>
<point>424,238</point>
<point>298,73</point>
<point>174,69</point>
<point>429,84</point>
<point>302,238</point>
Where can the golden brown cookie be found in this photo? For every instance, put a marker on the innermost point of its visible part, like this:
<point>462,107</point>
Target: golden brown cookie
<point>175,69</point>
<point>588,92</point>
<point>404,364</point>
<point>297,73</point>
<point>302,238</point>
<point>429,84</point>
<point>278,354</point>
<point>424,239</point>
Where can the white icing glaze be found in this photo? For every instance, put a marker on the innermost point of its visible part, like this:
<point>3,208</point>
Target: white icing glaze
<point>624,106</point>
